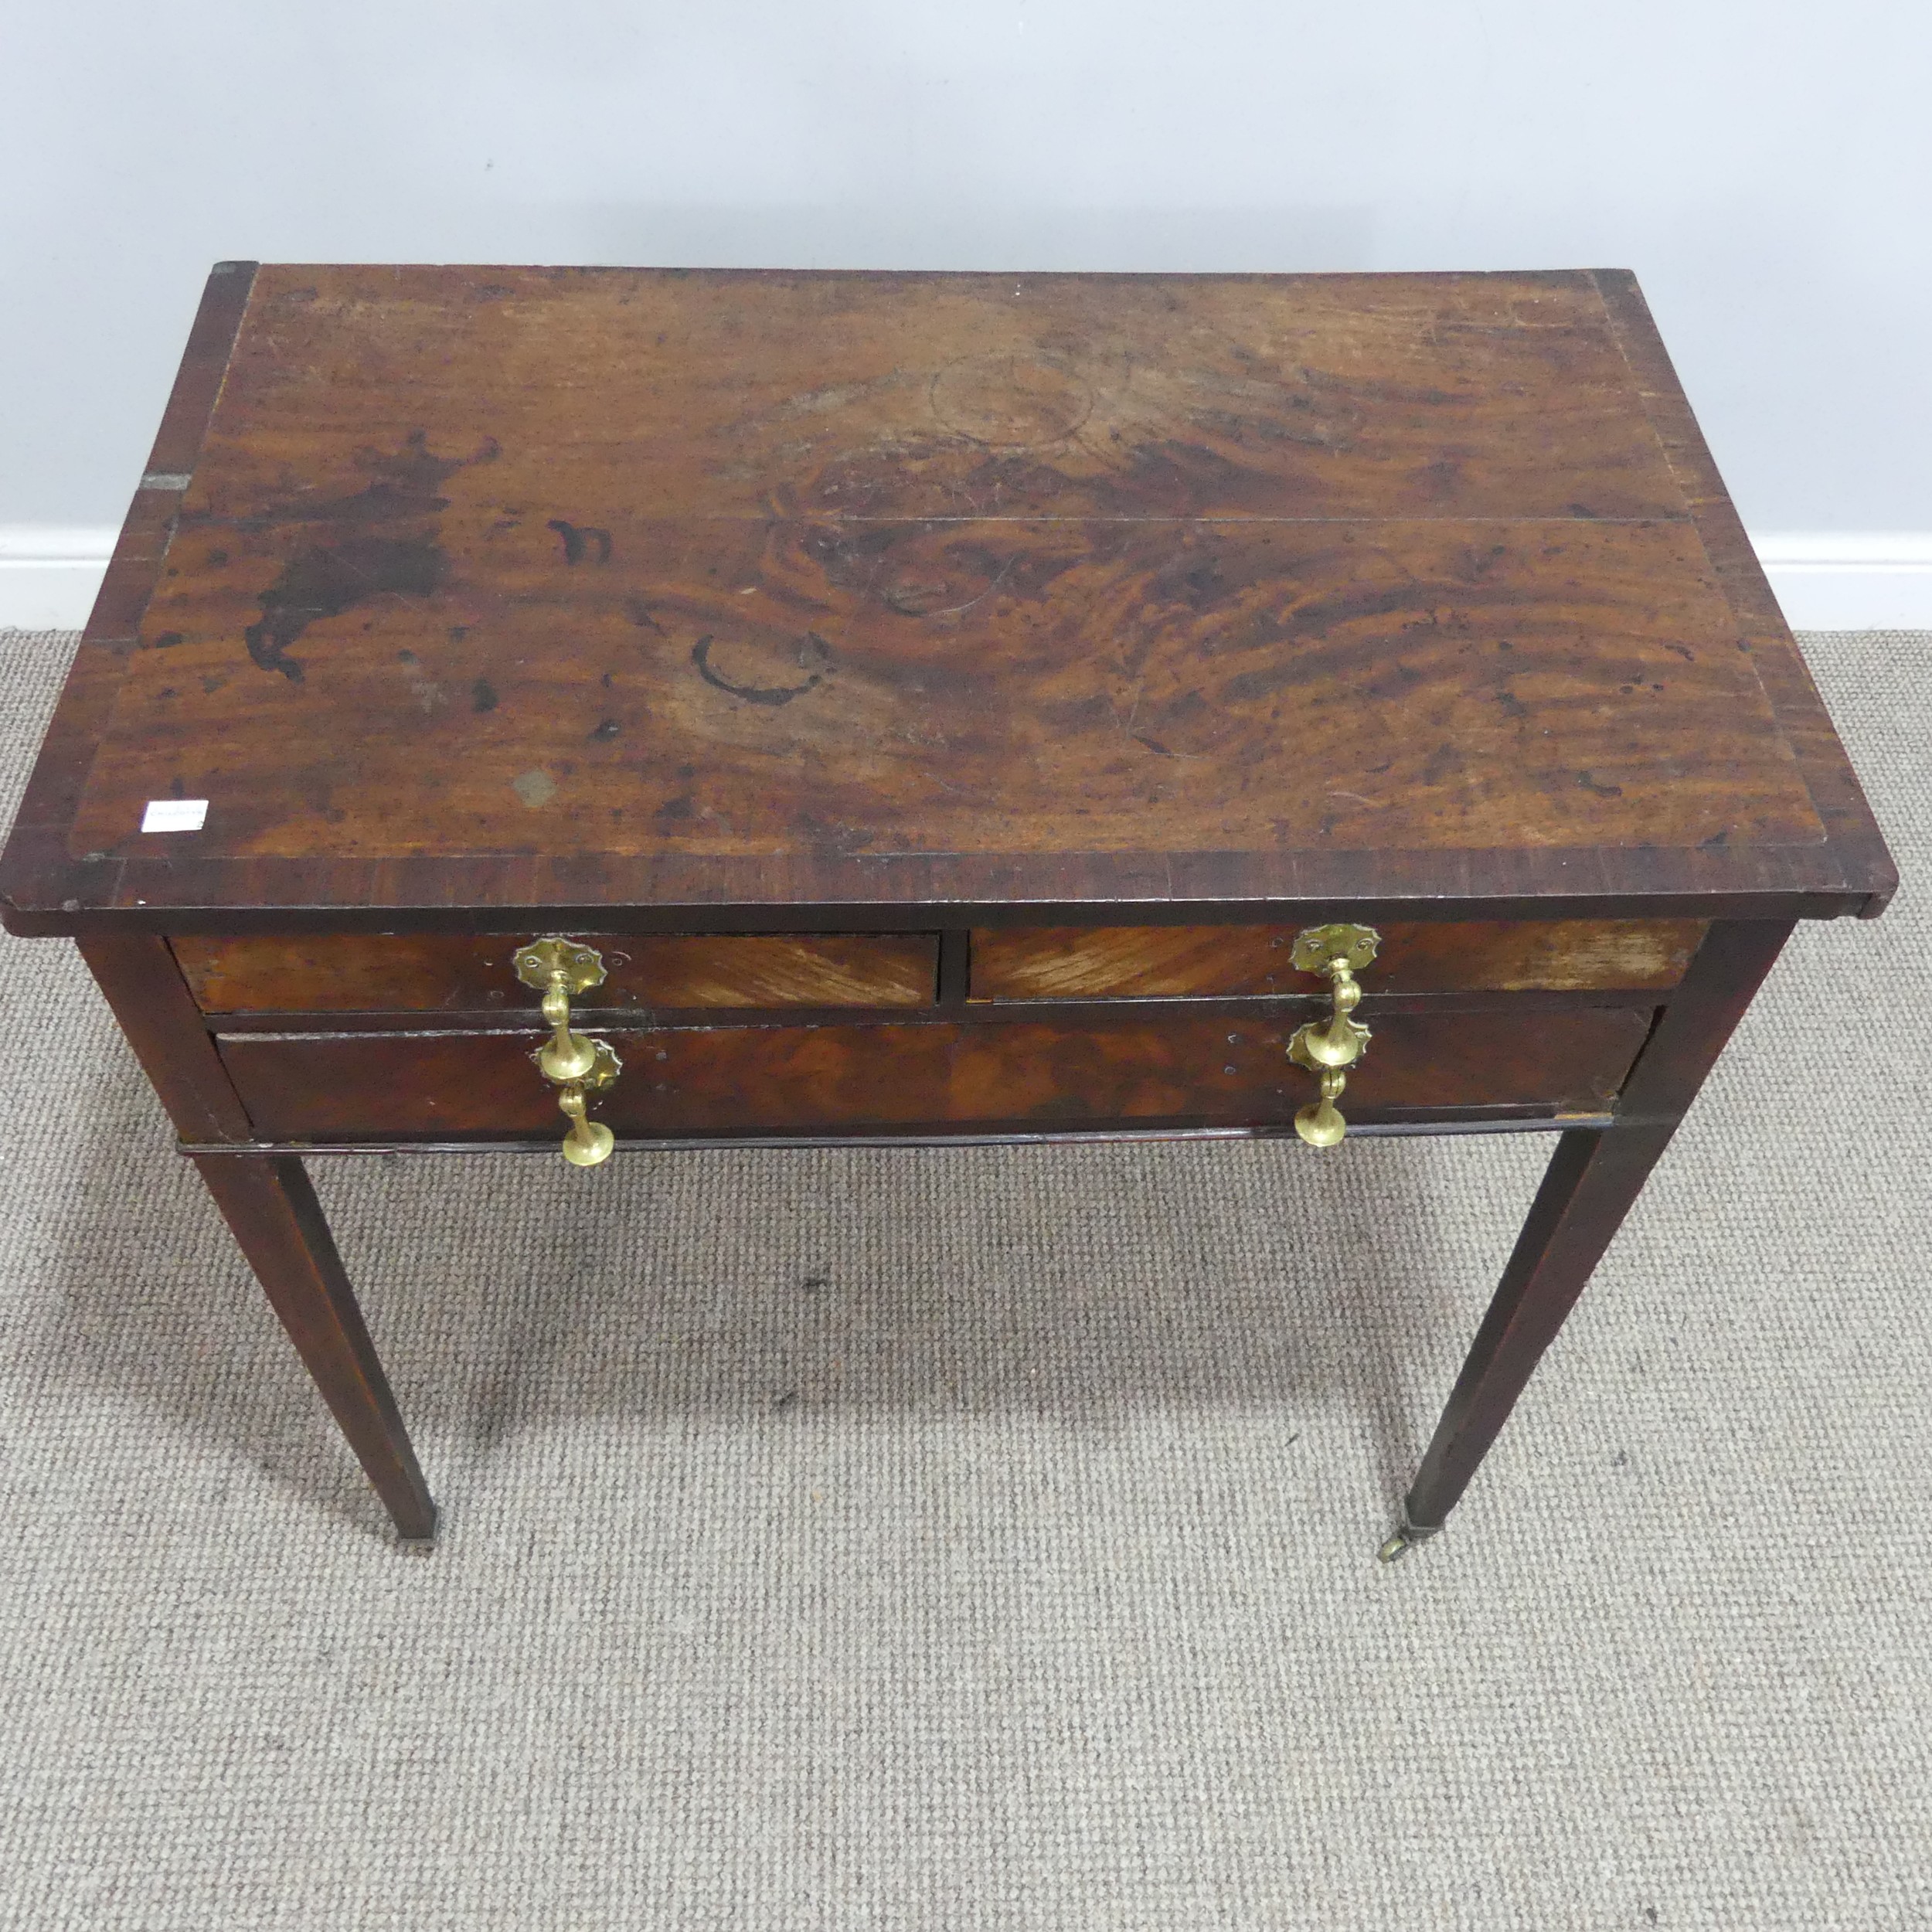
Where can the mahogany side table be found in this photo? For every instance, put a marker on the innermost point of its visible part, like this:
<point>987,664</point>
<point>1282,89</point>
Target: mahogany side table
<point>661,708</point>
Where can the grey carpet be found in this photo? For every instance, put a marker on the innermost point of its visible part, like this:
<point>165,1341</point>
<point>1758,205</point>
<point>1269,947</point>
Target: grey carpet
<point>983,1539</point>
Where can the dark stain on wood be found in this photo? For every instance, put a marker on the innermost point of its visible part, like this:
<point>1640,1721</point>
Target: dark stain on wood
<point>814,659</point>
<point>325,582</point>
<point>577,540</point>
<point>405,488</point>
<point>385,543</point>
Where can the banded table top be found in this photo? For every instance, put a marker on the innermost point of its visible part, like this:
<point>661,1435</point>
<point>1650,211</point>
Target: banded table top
<point>787,599</point>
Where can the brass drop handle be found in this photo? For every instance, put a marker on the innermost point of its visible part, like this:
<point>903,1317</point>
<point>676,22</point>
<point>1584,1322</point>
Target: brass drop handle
<point>571,1062</point>
<point>588,1141</point>
<point>1338,953</point>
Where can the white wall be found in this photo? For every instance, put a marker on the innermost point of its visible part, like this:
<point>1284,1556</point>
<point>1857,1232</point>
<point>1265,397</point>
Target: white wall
<point>1764,167</point>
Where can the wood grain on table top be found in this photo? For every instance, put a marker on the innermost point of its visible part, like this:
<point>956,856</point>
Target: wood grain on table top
<point>488,574</point>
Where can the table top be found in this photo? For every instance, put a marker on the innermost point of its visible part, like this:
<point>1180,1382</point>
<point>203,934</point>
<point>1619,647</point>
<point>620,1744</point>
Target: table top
<point>785,600</point>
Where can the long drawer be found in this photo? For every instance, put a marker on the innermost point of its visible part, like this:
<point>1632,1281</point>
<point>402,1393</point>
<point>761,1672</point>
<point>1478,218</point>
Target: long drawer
<point>1173,1068</point>
<point>1123,962</point>
<point>431,972</point>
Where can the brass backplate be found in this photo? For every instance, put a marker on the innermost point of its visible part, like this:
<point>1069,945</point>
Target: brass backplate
<point>1298,1047</point>
<point>538,963</point>
<point>605,1066</point>
<point>1318,947</point>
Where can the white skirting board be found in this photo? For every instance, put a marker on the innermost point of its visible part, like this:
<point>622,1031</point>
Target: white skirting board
<point>1850,579</point>
<point>1838,580</point>
<point>49,573</point>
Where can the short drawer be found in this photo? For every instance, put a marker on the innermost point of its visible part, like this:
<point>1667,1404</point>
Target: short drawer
<point>432,972</point>
<point>1149,962</point>
<point>1176,1068</point>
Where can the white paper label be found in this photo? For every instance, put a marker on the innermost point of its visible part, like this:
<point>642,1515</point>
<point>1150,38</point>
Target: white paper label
<point>174,814</point>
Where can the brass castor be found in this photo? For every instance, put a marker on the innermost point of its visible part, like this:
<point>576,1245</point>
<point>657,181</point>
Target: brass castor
<point>1405,1540</point>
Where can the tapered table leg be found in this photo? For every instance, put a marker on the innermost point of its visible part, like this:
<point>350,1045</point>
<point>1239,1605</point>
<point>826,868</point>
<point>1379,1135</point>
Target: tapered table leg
<point>278,1221</point>
<point>1591,1184</point>
<point>1594,1178</point>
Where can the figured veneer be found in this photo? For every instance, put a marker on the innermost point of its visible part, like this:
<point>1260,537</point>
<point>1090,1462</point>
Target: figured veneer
<point>1121,962</point>
<point>426,972</point>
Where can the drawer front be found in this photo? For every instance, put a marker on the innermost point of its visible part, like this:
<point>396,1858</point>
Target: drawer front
<point>1175,1069</point>
<point>1125,962</point>
<point>431,972</point>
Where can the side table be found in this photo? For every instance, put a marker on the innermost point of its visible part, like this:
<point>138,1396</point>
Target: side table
<point>629,708</point>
